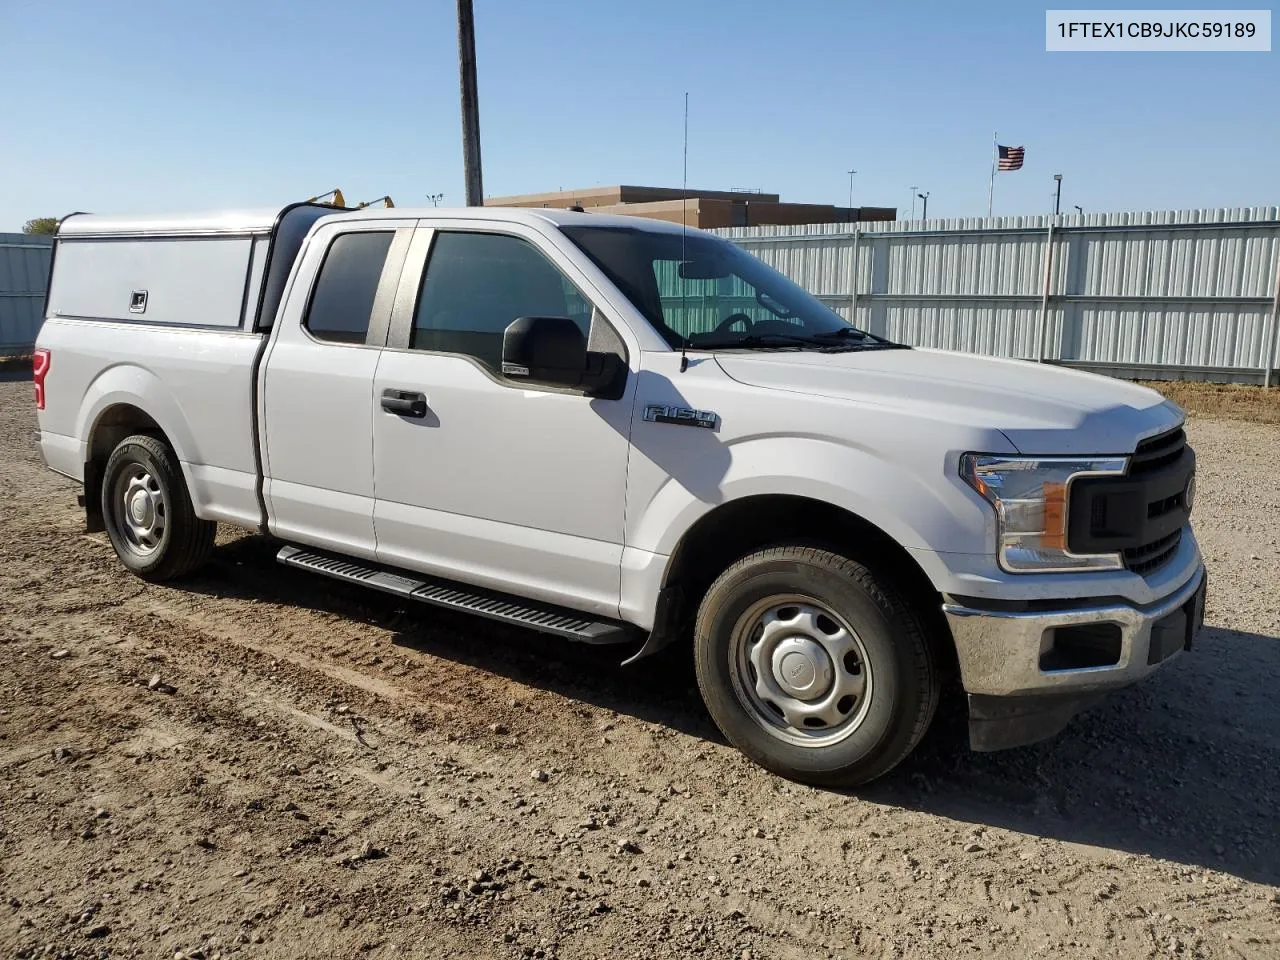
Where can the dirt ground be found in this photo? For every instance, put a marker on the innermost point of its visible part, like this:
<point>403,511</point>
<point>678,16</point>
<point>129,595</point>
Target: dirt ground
<point>260,763</point>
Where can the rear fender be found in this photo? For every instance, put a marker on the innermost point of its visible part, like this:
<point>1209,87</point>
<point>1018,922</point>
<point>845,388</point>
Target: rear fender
<point>132,385</point>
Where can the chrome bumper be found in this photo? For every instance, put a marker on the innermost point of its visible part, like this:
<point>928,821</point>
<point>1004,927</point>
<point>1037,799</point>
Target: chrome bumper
<point>1000,651</point>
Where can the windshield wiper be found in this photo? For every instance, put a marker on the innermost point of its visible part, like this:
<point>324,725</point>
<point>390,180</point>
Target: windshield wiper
<point>862,339</point>
<point>842,333</point>
<point>846,338</point>
<point>752,340</point>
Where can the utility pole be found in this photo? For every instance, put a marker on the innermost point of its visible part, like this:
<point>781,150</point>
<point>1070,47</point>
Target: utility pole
<point>1057,196</point>
<point>924,214</point>
<point>913,201</point>
<point>470,104</point>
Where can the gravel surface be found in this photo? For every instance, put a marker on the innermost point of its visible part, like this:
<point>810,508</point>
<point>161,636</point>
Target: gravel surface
<point>261,763</point>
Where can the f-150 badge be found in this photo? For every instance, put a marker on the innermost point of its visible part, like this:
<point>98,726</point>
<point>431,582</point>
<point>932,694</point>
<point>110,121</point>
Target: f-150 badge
<point>680,416</point>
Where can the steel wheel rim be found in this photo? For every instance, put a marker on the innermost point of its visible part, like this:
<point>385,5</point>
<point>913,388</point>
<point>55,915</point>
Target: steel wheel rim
<point>140,509</point>
<point>800,671</point>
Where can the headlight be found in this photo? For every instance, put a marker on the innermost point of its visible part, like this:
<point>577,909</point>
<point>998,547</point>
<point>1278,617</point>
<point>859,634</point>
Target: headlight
<point>1031,496</point>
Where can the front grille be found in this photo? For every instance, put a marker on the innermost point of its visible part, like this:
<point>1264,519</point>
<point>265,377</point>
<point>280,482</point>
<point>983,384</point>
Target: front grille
<point>1152,555</point>
<point>1152,455</point>
<point>1156,452</point>
<point>1141,514</point>
<point>1158,508</point>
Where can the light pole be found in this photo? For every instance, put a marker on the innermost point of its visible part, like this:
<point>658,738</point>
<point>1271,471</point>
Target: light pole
<point>435,198</point>
<point>1079,209</point>
<point>913,201</point>
<point>851,173</point>
<point>924,214</point>
<point>1057,196</point>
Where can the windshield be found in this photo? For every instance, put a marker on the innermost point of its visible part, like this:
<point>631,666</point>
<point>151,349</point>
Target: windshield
<point>705,293</point>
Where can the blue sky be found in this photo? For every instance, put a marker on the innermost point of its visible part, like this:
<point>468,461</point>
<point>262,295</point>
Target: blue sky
<point>149,105</point>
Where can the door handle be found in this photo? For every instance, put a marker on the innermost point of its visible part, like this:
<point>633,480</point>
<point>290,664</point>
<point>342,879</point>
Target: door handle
<point>405,403</point>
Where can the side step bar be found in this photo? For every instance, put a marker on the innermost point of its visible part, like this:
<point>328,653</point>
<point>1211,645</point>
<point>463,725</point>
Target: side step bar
<point>455,596</point>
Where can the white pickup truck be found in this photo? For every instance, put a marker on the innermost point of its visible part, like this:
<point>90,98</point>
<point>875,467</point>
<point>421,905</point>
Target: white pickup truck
<point>621,432</point>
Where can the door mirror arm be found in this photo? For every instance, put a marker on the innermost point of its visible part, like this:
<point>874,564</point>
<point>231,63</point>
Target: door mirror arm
<point>605,376</point>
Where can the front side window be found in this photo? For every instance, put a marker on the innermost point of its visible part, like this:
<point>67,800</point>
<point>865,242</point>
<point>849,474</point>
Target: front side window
<point>342,300</point>
<point>704,292</point>
<point>475,284</point>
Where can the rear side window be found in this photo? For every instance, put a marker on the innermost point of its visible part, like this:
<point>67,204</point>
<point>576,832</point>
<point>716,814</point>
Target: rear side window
<point>475,284</point>
<point>343,297</point>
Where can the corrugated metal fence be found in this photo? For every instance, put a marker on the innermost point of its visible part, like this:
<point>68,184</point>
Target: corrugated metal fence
<point>24,273</point>
<point>1177,295</point>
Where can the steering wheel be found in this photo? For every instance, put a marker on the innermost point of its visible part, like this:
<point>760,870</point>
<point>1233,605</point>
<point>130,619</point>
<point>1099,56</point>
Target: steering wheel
<point>729,322</point>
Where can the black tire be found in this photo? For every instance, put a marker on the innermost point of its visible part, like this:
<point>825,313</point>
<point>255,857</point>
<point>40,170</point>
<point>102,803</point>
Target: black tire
<point>178,541</point>
<point>902,678</point>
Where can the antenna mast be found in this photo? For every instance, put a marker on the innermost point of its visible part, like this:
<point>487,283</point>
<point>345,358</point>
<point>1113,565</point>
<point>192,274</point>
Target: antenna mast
<point>684,233</point>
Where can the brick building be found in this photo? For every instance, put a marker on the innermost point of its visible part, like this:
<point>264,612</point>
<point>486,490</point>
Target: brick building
<point>703,208</point>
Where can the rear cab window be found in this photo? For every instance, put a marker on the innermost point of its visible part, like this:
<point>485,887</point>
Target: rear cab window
<point>342,298</point>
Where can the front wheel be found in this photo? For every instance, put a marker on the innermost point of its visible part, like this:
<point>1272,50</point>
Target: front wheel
<point>813,666</point>
<point>148,512</point>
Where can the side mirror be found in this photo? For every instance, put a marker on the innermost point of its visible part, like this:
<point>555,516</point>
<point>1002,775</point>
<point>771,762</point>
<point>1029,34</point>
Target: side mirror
<point>550,350</point>
<point>553,351</point>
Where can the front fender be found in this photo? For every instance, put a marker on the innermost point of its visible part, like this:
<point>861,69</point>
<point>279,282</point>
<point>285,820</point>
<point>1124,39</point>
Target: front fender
<point>922,512</point>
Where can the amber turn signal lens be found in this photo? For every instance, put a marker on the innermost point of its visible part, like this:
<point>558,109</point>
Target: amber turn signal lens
<point>1055,516</point>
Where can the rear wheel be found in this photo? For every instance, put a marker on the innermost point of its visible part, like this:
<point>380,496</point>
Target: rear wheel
<point>813,666</point>
<point>148,512</point>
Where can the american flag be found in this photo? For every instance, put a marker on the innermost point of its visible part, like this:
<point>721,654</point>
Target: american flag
<point>1011,157</point>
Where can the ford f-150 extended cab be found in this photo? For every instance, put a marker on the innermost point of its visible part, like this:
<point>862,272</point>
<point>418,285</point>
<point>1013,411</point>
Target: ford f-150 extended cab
<point>616,430</point>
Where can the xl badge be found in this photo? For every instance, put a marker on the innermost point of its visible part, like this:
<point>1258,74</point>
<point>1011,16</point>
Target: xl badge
<point>680,416</point>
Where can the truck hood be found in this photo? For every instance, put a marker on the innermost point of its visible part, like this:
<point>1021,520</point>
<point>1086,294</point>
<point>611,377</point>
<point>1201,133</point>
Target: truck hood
<point>1041,408</point>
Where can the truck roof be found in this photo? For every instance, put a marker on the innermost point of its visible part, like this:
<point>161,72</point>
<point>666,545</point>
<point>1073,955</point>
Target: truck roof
<point>263,220</point>
<point>526,215</point>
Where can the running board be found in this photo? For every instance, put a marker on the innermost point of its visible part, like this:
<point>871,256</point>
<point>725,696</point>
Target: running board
<point>569,624</point>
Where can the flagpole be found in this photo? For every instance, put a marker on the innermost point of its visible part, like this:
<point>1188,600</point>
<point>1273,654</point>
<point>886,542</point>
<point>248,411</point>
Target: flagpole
<point>991,187</point>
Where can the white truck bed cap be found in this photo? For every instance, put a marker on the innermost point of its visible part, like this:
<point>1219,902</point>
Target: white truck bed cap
<point>219,221</point>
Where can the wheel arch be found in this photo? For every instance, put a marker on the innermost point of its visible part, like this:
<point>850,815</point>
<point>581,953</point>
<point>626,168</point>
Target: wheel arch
<point>113,423</point>
<point>738,527</point>
<point>123,399</point>
<point>733,529</point>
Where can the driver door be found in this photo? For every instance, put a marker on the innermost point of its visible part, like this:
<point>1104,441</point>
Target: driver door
<point>497,483</point>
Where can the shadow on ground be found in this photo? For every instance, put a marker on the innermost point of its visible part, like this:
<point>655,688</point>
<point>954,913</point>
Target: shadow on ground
<point>1185,767</point>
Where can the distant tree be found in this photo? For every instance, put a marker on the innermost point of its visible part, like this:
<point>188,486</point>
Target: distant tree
<point>41,225</point>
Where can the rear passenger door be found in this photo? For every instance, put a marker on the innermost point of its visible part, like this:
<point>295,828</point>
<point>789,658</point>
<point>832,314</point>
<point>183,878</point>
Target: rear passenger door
<point>497,482</point>
<point>317,404</point>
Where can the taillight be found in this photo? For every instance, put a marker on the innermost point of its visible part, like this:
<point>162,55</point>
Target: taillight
<point>39,369</point>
